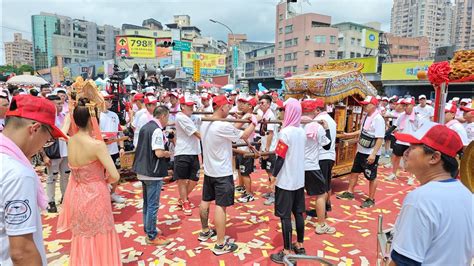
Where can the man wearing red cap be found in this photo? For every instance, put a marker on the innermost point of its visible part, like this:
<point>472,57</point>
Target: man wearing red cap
<point>206,103</point>
<point>218,186</point>
<point>138,100</point>
<point>452,123</point>
<point>29,125</point>
<point>186,153</point>
<point>4,103</point>
<point>435,224</point>
<point>368,151</point>
<point>150,105</point>
<point>110,124</point>
<point>245,165</point>
<point>468,116</point>
<point>317,136</point>
<point>406,123</point>
<point>173,105</point>
<point>423,110</point>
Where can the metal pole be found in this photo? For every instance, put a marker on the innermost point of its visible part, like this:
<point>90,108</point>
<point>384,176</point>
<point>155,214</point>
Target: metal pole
<point>233,38</point>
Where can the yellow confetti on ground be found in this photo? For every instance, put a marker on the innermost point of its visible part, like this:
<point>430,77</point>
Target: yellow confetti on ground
<point>345,207</point>
<point>331,258</point>
<point>338,235</point>
<point>355,226</point>
<point>327,243</point>
<point>221,263</point>
<point>348,262</point>
<point>190,253</point>
<point>366,234</point>
<point>265,253</point>
<point>331,249</point>
<point>347,245</point>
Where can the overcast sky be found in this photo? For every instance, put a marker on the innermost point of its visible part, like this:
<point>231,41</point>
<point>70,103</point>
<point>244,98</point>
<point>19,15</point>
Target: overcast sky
<point>256,18</point>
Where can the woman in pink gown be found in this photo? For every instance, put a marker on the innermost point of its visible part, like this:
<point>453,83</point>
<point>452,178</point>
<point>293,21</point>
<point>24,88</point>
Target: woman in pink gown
<point>87,209</point>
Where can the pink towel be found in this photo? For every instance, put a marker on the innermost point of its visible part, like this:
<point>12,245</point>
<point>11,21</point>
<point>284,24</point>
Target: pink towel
<point>9,148</point>
<point>311,129</point>
<point>292,113</point>
<point>369,119</point>
<point>404,117</point>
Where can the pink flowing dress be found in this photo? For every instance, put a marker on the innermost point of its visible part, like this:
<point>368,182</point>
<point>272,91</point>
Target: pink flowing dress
<point>87,212</point>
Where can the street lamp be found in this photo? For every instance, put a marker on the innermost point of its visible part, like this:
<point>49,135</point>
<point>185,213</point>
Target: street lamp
<point>233,38</point>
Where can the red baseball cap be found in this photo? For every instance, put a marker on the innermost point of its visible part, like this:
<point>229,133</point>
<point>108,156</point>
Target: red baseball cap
<point>250,100</point>
<point>138,96</point>
<point>186,101</point>
<point>150,99</point>
<point>205,96</point>
<point>409,101</point>
<point>37,109</point>
<point>311,105</point>
<point>449,107</point>
<point>220,100</point>
<point>436,136</point>
<point>279,103</point>
<point>174,94</point>
<point>370,99</point>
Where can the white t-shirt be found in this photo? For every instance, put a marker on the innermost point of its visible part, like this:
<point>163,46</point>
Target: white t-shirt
<point>217,138</point>
<point>312,148</point>
<point>62,144</point>
<point>291,175</point>
<point>208,109</point>
<point>109,122</point>
<point>459,128</point>
<point>269,115</point>
<point>144,118</point>
<point>377,130</point>
<point>331,153</point>
<point>435,225</point>
<point>410,126</point>
<point>424,112</point>
<point>135,125</point>
<point>19,210</point>
<point>173,112</point>
<point>186,142</point>
<point>470,131</point>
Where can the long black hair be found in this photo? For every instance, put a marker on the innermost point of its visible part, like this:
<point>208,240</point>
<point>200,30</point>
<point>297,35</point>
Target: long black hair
<point>81,113</point>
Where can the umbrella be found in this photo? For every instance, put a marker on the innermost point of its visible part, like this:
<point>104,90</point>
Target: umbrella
<point>228,87</point>
<point>27,80</point>
<point>208,85</point>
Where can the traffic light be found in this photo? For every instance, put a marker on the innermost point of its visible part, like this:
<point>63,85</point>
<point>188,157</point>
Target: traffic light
<point>197,70</point>
<point>165,44</point>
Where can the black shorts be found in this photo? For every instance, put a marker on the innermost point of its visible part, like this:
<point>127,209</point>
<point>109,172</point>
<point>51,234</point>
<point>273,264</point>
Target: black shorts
<point>220,189</point>
<point>287,201</point>
<point>314,183</point>
<point>269,163</point>
<point>245,165</point>
<point>186,167</point>
<point>326,169</point>
<point>116,160</point>
<point>392,141</point>
<point>399,149</point>
<point>360,166</point>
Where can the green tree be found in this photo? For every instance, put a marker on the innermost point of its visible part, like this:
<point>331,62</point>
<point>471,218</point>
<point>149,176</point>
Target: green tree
<point>7,69</point>
<point>25,68</point>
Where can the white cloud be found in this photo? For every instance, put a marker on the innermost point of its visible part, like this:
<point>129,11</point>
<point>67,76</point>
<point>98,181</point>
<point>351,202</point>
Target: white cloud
<point>256,18</point>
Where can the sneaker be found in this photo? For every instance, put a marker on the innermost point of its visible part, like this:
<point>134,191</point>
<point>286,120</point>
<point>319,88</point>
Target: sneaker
<point>204,236</point>
<point>224,248</point>
<point>391,177</point>
<point>368,203</point>
<point>52,207</point>
<point>278,257</point>
<point>387,155</point>
<point>180,204</point>
<point>240,189</point>
<point>411,181</point>
<point>267,195</point>
<point>158,241</point>
<point>345,195</point>
<point>187,208</point>
<point>298,251</point>
<point>116,198</point>
<point>311,213</point>
<point>325,229</point>
<point>137,184</point>
<point>246,198</point>
<point>269,201</point>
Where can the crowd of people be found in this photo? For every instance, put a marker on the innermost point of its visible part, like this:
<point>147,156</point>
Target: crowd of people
<point>177,135</point>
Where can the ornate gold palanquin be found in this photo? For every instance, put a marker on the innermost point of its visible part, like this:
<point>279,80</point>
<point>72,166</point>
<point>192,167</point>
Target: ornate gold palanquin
<point>341,86</point>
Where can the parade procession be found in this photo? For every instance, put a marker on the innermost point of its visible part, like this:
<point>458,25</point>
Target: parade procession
<point>171,153</point>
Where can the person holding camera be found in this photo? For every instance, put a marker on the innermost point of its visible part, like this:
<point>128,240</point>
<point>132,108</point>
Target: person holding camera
<point>371,138</point>
<point>56,160</point>
<point>151,165</point>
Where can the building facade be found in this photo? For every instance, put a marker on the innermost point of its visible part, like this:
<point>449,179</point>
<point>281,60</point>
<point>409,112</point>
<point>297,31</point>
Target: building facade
<point>434,19</point>
<point>350,40</point>
<point>464,26</point>
<point>408,49</point>
<point>260,63</point>
<point>302,40</point>
<point>71,40</point>
<point>19,52</point>
<point>243,48</point>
